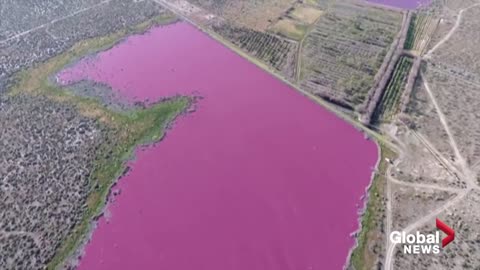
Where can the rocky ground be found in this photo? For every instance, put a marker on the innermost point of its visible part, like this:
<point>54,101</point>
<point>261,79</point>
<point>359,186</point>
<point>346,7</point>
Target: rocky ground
<point>47,152</point>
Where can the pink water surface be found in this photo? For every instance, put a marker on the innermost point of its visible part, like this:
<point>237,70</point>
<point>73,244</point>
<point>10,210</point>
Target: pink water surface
<point>258,178</point>
<point>405,4</point>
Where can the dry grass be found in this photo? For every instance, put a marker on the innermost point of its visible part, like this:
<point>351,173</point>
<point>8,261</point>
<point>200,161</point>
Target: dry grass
<point>322,4</point>
<point>461,52</point>
<point>256,15</point>
<point>464,252</point>
<point>289,29</point>
<point>345,48</point>
<point>306,14</point>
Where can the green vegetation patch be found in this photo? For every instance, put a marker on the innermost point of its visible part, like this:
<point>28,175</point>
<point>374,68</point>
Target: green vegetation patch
<point>363,256</point>
<point>411,33</point>
<point>421,26</point>
<point>388,106</point>
<point>124,131</point>
<point>290,29</point>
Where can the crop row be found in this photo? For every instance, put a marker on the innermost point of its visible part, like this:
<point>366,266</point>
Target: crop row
<point>385,72</point>
<point>424,33</point>
<point>388,105</point>
<point>359,28</point>
<point>269,48</point>
<point>343,45</point>
<point>421,27</point>
<point>322,4</point>
<point>387,19</point>
<point>345,50</point>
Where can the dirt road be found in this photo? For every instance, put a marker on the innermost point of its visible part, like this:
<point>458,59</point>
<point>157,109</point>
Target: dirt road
<point>451,32</point>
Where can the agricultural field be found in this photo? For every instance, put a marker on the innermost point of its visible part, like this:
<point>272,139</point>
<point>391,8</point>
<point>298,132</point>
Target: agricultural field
<point>389,104</point>
<point>255,15</point>
<point>422,26</point>
<point>274,51</point>
<point>289,28</point>
<point>342,54</point>
<point>295,22</point>
<point>342,45</point>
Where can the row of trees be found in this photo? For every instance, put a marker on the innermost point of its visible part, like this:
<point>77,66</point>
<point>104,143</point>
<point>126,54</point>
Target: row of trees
<point>386,70</point>
<point>412,77</point>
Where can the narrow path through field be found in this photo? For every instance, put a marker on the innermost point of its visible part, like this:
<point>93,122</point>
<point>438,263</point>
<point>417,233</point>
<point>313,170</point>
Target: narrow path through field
<point>391,179</point>
<point>391,248</point>
<point>465,174</point>
<point>53,21</point>
<point>452,31</point>
<point>424,186</point>
<point>452,170</point>
<point>300,46</point>
<point>460,160</point>
<point>299,59</point>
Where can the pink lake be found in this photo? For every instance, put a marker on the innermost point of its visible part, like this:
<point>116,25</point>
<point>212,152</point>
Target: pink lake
<point>259,177</point>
